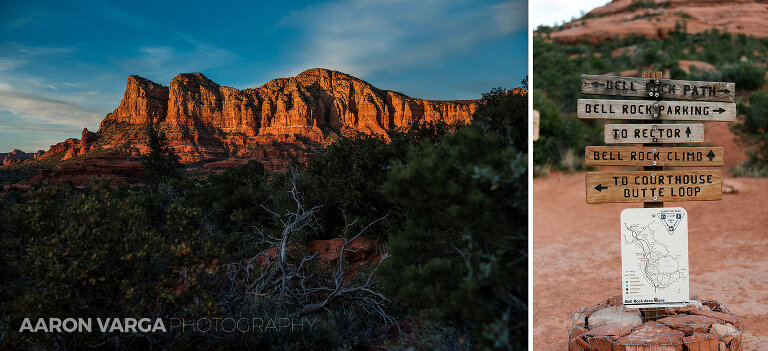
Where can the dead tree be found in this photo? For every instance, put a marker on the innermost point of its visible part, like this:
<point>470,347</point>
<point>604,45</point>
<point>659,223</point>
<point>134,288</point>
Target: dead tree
<point>283,274</point>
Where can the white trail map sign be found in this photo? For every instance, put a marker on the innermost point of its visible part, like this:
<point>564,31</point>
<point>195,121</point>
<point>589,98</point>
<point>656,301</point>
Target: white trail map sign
<point>654,257</point>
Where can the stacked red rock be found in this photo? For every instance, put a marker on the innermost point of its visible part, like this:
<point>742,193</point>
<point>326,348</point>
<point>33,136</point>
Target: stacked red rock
<point>610,326</point>
<point>204,121</point>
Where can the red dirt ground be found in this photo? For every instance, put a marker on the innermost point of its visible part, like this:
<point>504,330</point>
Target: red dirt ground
<point>577,263</point>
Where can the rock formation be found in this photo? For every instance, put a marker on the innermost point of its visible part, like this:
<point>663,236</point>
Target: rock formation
<point>17,156</point>
<point>656,18</point>
<point>205,121</point>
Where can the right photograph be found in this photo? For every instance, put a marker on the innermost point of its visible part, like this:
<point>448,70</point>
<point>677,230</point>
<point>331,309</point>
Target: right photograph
<point>650,154</point>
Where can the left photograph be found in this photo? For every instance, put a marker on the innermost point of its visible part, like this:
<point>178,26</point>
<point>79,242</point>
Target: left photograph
<point>335,175</point>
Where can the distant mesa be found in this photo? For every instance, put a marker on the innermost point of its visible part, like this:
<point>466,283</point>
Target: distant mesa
<point>656,18</point>
<point>205,121</point>
<point>17,156</point>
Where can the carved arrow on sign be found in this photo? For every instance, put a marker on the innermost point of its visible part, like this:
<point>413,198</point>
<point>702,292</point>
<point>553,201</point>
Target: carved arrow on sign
<point>711,155</point>
<point>600,187</point>
<point>720,110</point>
<point>688,132</point>
<point>725,91</point>
<point>596,84</point>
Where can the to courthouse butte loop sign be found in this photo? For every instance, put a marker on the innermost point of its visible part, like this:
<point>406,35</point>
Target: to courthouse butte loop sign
<point>649,186</point>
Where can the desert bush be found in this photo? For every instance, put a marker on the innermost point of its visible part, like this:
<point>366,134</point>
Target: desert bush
<point>93,254</point>
<point>752,131</point>
<point>462,248</point>
<point>505,114</point>
<point>561,138</point>
<point>746,75</point>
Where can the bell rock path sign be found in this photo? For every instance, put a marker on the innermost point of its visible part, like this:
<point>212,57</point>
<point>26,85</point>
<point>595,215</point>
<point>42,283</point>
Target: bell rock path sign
<point>657,110</point>
<point>653,133</point>
<point>665,88</point>
<point>653,186</point>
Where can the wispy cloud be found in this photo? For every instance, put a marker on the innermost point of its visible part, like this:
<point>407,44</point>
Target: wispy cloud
<point>37,109</point>
<point>363,37</point>
<point>164,62</point>
<point>9,63</point>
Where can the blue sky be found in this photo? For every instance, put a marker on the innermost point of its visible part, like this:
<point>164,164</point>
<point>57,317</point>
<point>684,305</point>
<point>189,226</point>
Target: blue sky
<point>64,65</point>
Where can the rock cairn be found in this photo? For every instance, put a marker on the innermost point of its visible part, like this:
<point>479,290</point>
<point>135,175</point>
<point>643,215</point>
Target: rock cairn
<point>702,325</point>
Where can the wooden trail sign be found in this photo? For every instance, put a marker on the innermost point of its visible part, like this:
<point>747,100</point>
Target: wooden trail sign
<point>665,88</point>
<point>653,156</point>
<point>653,186</point>
<point>653,133</point>
<point>657,110</point>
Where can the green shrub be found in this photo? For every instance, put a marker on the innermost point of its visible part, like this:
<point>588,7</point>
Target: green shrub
<point>93,254</point>
<point>746,75</point>
<point>752,130</point>
<point>462,249</point>
<point>504,114</point>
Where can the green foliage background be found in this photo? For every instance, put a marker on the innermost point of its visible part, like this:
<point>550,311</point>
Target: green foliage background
<point>557,70</point>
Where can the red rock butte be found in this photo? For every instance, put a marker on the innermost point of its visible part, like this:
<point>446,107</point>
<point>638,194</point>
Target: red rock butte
<point>656,18</point>
<point>205,121</point>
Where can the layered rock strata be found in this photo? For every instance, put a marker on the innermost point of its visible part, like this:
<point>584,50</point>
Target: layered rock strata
<point>205,121</point>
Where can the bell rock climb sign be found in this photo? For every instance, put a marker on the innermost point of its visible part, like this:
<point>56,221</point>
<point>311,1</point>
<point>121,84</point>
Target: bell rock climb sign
<point>653,156</point>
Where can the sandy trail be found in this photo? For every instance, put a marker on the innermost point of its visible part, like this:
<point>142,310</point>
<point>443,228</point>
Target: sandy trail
<point>577,263</point>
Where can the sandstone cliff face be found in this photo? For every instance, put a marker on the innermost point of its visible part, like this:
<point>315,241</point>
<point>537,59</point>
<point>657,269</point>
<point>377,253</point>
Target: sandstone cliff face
<point>656,18</point>
<point>206,121</point>
<point>144,102</point>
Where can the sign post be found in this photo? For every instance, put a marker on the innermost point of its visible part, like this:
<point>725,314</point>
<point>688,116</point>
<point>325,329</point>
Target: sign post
<point>655,278</point>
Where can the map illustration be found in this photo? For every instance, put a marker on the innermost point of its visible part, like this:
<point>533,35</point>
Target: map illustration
<point>654,250</point>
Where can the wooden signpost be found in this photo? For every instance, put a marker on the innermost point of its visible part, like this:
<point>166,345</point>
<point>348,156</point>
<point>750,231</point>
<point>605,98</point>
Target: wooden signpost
<point>657,110</point>
<point>653,133</point>
<point>708,101</point>
<point>653,156</point>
